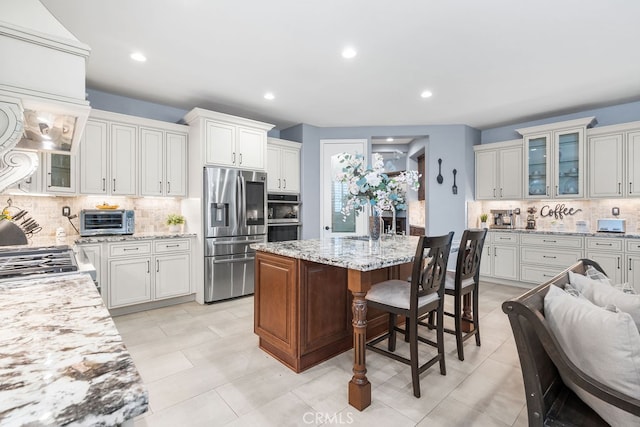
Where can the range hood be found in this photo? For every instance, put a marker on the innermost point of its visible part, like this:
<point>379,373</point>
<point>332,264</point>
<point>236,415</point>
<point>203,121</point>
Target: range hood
<point>42,89</point>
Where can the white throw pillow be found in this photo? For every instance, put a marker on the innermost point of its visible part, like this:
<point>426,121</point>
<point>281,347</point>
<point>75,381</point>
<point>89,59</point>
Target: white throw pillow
<point>602,295</point>
<point>594,274</point>
<point>603,344</point>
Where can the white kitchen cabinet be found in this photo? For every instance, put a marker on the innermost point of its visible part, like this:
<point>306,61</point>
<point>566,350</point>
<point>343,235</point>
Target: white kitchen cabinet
<point>500,256</point>
<point>283,166</point>
<point>31,184</point>
<point>143,271</point>
<point>555,159</point>
<point>108,158</point>
<point>499,171</point>
<point>633,263</point>
<point>59,173</point>
<point>542,256</point>
<point>163,159</point>
<point>94,254</point>
<point>632,185</point>
<point>228,141</point>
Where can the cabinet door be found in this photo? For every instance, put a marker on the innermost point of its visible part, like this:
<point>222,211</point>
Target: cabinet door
<point>172,275</point>
<point>60,174</point>
<point>93,158</point>
<point>274,181</point>
<point>251,147</point>
<point>94,253</point>
<point>611,263</point>
<point>510,173</point>
<point>129,281</point>
<point>505,261</point>
<point>175,164</point>
<point>290,170</point>
<point>123,159</point>
<point>486,175</point>
<point>633,164</point>
<point>486,261</point>
<point>605,165</point>
<point>569,164</point>
<point>633,271</point>
<point>538,166</point>
<point>32,184</point>
<point>220,144</point>
<point>151,162</point>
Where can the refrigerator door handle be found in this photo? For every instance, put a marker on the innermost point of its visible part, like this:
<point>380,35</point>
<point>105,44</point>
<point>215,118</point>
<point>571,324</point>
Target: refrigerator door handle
<point>239,200</point>
<point>243,202</point>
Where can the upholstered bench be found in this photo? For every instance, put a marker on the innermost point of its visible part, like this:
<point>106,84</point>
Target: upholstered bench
<point>544,364</point>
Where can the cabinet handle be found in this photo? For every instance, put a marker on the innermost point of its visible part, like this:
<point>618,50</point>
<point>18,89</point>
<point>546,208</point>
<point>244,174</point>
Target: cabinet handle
<point>285,183</point>
<point>549,256</point>
<point>130,249</point>
<point>157,266</point>
<point>278,182</point>
<point>49,180</point>
<point>233,157</point>
<point>603,244</point>
<point>501,193</point>
<point>549,241</point>
<point>556,190</point>
<point>240,158</point>
<point>630,188</point>
<point>114,184</point>
<point>160,186</point>
<point>172,246</point>
<point>168,187</point>
<point>547,275</point>
<point>547,190</point>
<point>494,193</point>
<point>618,263</point>
<point>104,184</point>
<point>619,188</point>
<point>629,264</point>
<point>489,251</point>
<point>148,267</point>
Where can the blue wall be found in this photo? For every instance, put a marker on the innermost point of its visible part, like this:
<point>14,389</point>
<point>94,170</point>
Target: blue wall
<point>605,116</point>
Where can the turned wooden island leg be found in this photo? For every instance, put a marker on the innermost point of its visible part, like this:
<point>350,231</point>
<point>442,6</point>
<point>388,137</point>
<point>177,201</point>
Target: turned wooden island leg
<point>359,386</point>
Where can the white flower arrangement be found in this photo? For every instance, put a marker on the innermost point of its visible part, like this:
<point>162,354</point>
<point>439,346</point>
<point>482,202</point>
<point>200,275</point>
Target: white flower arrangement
<point>371,186</point>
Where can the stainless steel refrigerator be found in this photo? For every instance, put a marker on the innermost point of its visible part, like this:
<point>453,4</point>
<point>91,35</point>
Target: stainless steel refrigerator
<point>235,215</point>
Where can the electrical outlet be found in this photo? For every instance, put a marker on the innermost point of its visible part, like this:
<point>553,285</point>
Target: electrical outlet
<point>66,211</point>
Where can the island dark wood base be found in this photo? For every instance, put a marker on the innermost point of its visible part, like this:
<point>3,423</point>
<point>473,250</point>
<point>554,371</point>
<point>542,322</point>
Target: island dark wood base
<point>303,315</point>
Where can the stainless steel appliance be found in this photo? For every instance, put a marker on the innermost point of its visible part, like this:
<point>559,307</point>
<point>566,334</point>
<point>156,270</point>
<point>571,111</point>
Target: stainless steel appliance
<point>235,215</point>
<point>502,219</point>
<point>95,222</point>
<point>612,225</point>
<point>284,217</point>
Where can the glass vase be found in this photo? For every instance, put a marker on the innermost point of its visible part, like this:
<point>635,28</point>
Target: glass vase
<point>376,225</point>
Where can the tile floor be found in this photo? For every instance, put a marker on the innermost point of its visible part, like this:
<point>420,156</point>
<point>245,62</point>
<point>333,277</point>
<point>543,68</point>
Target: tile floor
<point>203,367</point>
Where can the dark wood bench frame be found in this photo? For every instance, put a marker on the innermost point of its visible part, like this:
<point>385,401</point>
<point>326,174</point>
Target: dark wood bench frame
<point>549,401</point>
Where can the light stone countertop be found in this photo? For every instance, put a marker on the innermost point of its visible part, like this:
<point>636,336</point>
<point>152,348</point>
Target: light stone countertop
<point>349,252</point>
<point>128,237</point>
<point>566,233</point>
<point>62,360</point>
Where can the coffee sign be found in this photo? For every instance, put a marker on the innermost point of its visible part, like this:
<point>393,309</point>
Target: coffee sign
<point>558,212</point>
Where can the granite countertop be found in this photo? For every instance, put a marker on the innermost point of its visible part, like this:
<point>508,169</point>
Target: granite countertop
<point>349,252</point>
<point>62,360</point>
<point>136,236</point>
<point>566,233</point>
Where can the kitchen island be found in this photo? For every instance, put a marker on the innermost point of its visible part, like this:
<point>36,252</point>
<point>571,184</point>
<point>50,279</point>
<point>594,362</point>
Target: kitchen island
<point>309,299</point>
<point>63,361</point>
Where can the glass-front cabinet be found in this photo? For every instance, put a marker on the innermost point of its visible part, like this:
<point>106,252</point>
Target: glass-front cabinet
<point>60,174</point>
<point>555,160</point>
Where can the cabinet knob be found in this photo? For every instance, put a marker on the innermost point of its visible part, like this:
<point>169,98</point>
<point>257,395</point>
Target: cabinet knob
<point>326,227</point>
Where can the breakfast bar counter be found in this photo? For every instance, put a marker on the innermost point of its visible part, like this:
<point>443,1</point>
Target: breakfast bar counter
<point>310,299</point>
<point>62,360</point>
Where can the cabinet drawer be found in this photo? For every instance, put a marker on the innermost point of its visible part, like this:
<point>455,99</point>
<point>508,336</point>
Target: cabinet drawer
<point>609,244</point>
<point>133,248</point>
<point>549,256</point>
<point>505,238</point>
<point>552,241</point>
<point>171,245</point>
<point>633,245</point>
<point>538,275</point>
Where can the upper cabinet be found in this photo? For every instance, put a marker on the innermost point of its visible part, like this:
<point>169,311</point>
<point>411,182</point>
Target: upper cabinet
<point>499,171</point>
<point>283,166</point>
<point>60,173</point>
<point>614,161</point>
<point>554,165</point>
<point>229,141</point>
<point>128,156</point>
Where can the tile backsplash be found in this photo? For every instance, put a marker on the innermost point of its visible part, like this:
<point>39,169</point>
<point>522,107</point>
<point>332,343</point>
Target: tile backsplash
<point>590,211</point>
<point>150,213</point>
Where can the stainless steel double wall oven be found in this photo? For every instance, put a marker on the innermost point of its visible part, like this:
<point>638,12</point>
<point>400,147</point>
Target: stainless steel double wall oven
<point>235,215</point>
<point>284,217</point>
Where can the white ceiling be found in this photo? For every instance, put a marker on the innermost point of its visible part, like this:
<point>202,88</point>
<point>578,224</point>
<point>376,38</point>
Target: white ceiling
<point>487,63</point>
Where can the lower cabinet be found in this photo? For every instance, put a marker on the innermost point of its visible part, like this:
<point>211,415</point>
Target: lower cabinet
<point>543,256</point>
<point>500,256</point>
<point>607,252</point>
<point>142,271</point>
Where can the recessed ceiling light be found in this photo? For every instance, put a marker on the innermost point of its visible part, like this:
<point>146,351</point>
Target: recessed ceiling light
<point>137,56</point>
<point>426,94</point>
<point>270,96</point>
<point>349,52</point>
<point>389,139</point>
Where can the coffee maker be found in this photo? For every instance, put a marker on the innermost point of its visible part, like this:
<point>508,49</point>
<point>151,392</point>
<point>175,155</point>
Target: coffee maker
<point>503,218</point>
<point>531,219</point>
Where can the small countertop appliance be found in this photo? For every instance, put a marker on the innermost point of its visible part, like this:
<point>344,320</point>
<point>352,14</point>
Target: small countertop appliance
<point>502,219</point>
<point>611,225</point>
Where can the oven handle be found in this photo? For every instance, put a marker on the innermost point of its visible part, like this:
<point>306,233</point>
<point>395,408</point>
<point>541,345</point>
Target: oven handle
<point>234,260</point>
<point>284,224</point>
<point>283,202</point>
